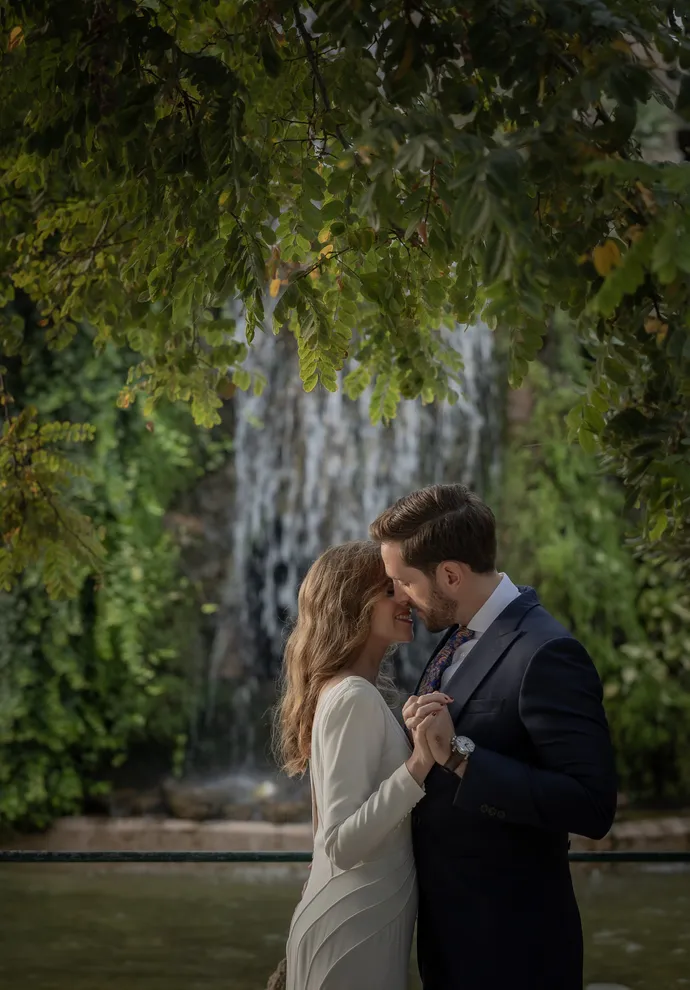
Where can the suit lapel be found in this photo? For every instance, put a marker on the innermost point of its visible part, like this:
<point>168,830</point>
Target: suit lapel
<point>488,651</point>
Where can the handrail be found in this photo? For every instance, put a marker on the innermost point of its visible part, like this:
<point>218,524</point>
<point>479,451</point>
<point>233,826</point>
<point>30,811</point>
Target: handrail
<point>291,856</point>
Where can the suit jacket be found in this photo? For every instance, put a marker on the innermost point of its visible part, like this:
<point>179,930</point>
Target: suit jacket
<point>491,848</point>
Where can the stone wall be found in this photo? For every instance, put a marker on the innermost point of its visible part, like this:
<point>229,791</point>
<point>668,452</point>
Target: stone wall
<point>151,834</point>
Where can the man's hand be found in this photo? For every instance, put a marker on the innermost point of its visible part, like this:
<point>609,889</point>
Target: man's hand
<point>439,735</point>
<point>440,730</point>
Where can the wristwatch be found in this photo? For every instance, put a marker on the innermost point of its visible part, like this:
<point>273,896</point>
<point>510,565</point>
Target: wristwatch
<point>461,749</point>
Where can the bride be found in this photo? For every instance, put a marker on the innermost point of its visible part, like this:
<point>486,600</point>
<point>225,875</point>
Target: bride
<point>353,926</point>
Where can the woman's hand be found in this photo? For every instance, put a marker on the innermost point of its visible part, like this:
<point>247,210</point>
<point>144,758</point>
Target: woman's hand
<point>418,715</point>
<point>417,708</point>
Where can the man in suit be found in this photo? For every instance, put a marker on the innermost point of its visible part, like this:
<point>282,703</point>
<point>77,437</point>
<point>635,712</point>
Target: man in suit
<point>522,749</point>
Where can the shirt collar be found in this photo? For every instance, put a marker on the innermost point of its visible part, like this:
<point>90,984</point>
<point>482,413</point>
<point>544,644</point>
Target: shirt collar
<point>502,595</point>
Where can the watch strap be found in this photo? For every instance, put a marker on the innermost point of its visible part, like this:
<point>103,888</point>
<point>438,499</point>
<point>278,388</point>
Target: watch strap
<point>454,760</point>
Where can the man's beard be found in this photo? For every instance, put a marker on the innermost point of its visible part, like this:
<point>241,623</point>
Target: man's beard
<point>439,613</point>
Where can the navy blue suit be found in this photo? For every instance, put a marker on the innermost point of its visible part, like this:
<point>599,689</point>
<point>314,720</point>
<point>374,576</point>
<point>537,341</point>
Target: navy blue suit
<point>496,903</point>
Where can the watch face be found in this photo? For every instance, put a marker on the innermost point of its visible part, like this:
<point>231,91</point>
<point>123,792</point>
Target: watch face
<point>464,745</point>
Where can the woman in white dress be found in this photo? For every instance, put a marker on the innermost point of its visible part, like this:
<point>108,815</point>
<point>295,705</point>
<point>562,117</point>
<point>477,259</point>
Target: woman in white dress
<point>352,929</point>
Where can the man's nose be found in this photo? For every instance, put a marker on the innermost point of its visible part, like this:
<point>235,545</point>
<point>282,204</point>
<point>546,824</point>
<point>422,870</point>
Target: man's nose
<point>400,596</point>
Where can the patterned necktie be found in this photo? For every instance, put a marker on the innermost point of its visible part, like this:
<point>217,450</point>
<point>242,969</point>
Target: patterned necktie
<point>431,678</point>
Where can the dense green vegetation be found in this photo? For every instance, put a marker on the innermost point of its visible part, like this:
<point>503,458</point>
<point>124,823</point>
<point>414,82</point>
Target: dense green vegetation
<point>563,527</point>
<point>377,170</point>
<point>83,679</point>
<point>380,169</point>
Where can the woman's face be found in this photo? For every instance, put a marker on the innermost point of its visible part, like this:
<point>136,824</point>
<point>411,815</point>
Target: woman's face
<point>391,622</point>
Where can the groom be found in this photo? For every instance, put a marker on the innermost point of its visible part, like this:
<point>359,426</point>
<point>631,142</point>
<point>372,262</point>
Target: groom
<point>523,755</point>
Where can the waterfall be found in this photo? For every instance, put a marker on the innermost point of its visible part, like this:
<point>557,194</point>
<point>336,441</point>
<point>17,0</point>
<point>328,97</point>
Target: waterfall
<point>311,470</point>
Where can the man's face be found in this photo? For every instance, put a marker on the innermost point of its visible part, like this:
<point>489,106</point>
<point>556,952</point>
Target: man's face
<point>415,588</point>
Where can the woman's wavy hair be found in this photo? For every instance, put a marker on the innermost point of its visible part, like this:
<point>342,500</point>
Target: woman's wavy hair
<point>333,623</point>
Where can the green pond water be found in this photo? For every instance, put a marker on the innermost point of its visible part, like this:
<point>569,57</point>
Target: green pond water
<point>223,927</point>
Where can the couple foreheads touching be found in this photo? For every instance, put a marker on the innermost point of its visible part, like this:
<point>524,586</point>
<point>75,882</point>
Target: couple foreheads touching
<point>460,821</point>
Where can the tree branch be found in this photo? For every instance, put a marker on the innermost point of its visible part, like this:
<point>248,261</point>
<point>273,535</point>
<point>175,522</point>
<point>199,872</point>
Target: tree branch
<point>318,78</point>
<point>432,176</point>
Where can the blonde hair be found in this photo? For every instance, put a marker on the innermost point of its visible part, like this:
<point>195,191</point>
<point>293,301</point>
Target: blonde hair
<point>334,610</point>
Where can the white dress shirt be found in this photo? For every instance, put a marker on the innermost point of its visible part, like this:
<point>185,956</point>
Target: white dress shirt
<point>504,593</point>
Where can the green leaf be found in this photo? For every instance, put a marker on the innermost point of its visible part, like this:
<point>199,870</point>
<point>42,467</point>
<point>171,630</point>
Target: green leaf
<point>588,440</point>
<point>659,527</point>
<point>270,58</point>
<point>331,210</point>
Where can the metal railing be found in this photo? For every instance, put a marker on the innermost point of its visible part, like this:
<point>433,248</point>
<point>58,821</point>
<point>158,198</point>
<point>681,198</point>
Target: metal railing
<point>289,856</point>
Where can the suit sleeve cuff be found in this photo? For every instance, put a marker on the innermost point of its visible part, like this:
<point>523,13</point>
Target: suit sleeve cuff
<point>485,788</point>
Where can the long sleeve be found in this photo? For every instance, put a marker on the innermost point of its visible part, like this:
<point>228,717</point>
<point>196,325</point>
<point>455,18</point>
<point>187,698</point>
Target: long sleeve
<point>573,786</point>
<point>358,812</point>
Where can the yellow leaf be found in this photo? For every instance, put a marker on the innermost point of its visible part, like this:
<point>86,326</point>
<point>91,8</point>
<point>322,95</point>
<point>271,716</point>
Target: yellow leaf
<point>325,235</point>
<point>314,274</point>
<point>634,233</point>
<point>605,257</point>
<point>326,251</point>
<point>16,38</point>
<point>647,197</point>
<point>274,287</point>
<point>619,45</point>
<point>223,198</point>
<point>653,325</point>
<point>363,152</point>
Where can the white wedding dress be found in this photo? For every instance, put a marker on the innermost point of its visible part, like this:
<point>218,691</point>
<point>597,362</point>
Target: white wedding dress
<point>353,928</point>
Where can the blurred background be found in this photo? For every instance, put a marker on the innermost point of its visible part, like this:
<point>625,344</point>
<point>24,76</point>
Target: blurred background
<point>164,675</point>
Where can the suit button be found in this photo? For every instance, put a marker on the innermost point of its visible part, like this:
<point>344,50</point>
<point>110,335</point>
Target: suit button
<point>500,814</point>
<point>492,812</point>
<point>484,808</point>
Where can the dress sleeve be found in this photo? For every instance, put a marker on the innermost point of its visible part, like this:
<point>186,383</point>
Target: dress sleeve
<point>358,812</point>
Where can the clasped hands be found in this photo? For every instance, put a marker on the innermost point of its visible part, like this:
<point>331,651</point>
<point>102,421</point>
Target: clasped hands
<point>429,723</point>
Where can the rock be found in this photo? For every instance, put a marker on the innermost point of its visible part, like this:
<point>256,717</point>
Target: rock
<point>240,796</point>
<point>196,803</point>
<point>266,790</point>
<point>284,812</point>
<point>128,802</point>
<point>235,812</point>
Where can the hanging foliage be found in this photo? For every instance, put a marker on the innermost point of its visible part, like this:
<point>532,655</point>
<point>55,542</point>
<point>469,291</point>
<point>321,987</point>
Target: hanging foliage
<point>378,169</point>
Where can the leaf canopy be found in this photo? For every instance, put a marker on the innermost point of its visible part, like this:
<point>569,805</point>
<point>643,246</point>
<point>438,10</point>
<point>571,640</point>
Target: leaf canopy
<point>377,171</point>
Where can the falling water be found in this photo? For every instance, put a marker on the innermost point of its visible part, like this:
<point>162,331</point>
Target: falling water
<point>311,470</point>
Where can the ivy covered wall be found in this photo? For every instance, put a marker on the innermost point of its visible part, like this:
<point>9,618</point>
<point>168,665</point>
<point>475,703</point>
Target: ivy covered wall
<point>564,530</point>
<point>82,680</point>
